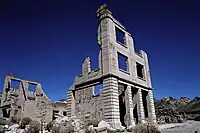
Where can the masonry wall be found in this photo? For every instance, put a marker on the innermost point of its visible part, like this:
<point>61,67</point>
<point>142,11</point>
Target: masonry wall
<point>89,109</point>
<point>25,103</point>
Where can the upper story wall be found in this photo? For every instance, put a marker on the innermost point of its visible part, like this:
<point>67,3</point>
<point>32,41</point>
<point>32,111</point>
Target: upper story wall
<point>113,48</point>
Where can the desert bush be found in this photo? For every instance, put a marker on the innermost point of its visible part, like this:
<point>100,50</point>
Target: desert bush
<point>55,128</point>
<point>50,126</point>
<point>197,118</point>
<point>93,122</point>
<point>4,121</point>
<point>34,127</point>
<point>25,121</point>
<point>65,127</point>
<point>145,128</point>
<point>2,129</point>
<point>15,120</point>
<point>68,125</point>
<point>62,128</point>
<point>90,122</point>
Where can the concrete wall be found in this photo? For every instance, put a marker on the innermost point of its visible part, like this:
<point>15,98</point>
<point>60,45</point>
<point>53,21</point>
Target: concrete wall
<point>91,109</point>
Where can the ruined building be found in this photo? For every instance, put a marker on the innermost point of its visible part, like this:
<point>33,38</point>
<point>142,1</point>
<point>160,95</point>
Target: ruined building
<point>125,95</point>
<point>23,98</point>
<point>119,91</point>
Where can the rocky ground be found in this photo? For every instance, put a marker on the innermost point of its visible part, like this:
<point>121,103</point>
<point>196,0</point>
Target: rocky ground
<point>187,127</point>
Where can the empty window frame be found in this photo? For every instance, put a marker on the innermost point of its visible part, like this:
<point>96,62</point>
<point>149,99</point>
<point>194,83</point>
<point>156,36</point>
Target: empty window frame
<point>140,70</point>
<point>123,62</point>
<point>15,84</point>
<point>120,36</point>
<point>97,89</point>
<point>32,87</point>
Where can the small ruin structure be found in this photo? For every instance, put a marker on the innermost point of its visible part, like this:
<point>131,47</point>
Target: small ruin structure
<point>125,93</point>
<point>24,98</point>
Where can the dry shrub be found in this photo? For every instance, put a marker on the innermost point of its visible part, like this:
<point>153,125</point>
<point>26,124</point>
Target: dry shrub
<point>4,121</point>
<point>56,128</point>
<point>70,125</point>
<point>15,120</point>
<point>50,126</point>
<point>34,127</point>
<point>90,122</point>
<point>93,122</point>
<point>146,128</point>
<point>2,129</point>
<point>25,121</point>
<point>197,118</point>
<point>63,128</point>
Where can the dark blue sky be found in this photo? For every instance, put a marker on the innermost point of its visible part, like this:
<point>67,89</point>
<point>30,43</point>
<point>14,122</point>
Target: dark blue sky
<point>47,41</point>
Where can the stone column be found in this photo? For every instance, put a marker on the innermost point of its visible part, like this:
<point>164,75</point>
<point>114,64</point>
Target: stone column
<point>111,102</point>
<point>151,107</point>
<point>24,89</point>
<point>7,84</point>
<point>73,104</point>
<point>129,107</point>
<point>69,103</point>
<point>140,106</point>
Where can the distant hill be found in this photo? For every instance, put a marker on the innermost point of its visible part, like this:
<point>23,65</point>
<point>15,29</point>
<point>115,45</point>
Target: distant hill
<point>171,110</point>
<point>192,107</point>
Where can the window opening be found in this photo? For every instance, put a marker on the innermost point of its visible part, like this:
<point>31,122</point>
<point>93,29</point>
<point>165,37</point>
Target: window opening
<point>97,89</point>
<point>15,84</point>
<point>120,36</point>
<point>32,87</point>
<point>140,70</point>
<point>122,62</point>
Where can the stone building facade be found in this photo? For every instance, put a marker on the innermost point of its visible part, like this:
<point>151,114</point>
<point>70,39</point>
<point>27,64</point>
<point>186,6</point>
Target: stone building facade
<point>126,96</point>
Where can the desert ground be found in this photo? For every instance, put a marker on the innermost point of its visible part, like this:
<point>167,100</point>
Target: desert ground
<point>187,127</point>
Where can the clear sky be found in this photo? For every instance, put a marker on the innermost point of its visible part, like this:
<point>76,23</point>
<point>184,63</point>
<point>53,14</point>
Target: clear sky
<point>47,41</point>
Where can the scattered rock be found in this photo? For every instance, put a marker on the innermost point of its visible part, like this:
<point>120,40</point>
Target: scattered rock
<point>14,127</point>
<point>66,124</point>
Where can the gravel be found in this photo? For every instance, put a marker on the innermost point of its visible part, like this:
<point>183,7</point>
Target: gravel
<point>187,127</point>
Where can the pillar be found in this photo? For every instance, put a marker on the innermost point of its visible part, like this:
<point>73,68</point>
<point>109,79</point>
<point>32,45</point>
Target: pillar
<point>111,102</point>
<point>129,107</point>
<point>151,107</point>
<point>140,106</point>
<point>69,103</point>
<point>73,103</point>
